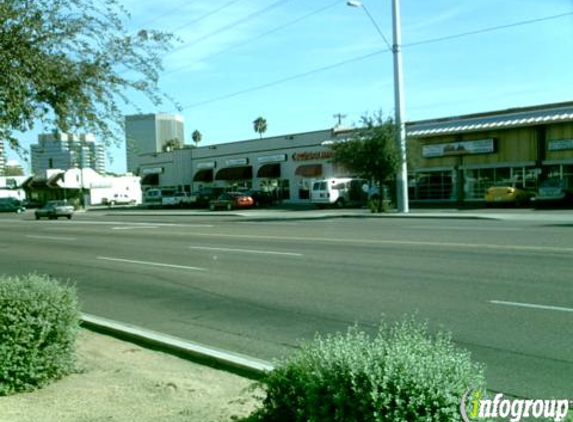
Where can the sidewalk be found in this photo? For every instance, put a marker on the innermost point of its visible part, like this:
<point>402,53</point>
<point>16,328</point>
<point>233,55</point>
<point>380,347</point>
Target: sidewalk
<point>306,212</point>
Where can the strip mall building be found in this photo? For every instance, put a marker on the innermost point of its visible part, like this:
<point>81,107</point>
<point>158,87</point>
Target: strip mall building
<point>457,158</point>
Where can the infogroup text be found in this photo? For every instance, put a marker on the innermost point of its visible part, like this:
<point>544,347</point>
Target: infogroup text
<point>512,409</point>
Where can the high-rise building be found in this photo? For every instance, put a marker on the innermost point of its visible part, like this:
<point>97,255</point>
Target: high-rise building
<point>65,151</point>
<point>148,133</point>
<point>2,158</point>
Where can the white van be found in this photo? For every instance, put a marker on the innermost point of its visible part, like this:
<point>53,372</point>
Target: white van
<point>339,192</point>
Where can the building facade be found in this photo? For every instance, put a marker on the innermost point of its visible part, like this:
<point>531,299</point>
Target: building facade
<point>2,158</point>
<point>148,133</point>
<point>285,165</point>
<point>452,160</point>
<point>460,157</point>
<point>66,151</point>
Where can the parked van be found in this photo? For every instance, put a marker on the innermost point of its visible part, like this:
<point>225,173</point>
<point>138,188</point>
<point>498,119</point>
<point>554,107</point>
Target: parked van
<point>339,192</point>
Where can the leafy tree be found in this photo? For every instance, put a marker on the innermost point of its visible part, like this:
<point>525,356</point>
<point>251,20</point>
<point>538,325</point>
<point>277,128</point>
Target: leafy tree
<point>197,137</point>
<point>260,126</point>
<point>371,152</point>
<point>13,171</point>
<point>70,64</point>
<point>172,144</point>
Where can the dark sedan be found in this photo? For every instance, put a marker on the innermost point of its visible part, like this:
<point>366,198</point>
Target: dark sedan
<point>11,207</point>
<point>230,200</point>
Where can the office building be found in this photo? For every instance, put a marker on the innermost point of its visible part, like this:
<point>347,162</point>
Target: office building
<point>66,151</point>
<point>148,133</point>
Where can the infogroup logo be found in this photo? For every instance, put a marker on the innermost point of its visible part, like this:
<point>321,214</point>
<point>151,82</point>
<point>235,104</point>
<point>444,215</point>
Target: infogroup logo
<point>512,409</point>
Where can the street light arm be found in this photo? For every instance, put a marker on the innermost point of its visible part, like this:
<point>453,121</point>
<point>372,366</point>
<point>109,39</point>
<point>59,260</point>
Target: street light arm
<point>361,5</point>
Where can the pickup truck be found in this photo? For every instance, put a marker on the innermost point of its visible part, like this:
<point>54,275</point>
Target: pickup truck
<point>179,199</point>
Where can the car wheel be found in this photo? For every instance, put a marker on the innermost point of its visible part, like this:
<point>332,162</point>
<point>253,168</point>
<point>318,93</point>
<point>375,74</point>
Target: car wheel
<point>69,217</point>
<point>37,217</point>
<point>339,203</point>
<point>212,207</point>
<point>229,207</point>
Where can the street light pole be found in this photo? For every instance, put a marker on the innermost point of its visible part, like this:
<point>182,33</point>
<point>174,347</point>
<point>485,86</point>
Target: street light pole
<point>399,109</point>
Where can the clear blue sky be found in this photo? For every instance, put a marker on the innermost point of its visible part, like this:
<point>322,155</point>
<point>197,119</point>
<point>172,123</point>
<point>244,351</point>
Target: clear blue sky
<point>237,46</point>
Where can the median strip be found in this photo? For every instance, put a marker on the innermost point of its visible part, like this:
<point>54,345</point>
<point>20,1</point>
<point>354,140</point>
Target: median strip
<point>153,264</point>
<point>532,305</point>
<point>251,251</point>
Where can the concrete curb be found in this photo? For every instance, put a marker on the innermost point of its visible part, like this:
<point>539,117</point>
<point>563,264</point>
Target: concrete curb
<point>218,358</point>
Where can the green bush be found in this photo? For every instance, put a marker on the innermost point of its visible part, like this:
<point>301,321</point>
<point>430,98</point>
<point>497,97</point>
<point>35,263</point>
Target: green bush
<point>39,321</point>
<point>402,374</point>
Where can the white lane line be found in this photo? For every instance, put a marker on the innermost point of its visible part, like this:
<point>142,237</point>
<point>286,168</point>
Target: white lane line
<point>254,251</point>
<point>553,249</point>
<point>153,264</point>
<point>462,228</point>
<point>70,239</point>
<point>532,305</point>
<point>133,227</point>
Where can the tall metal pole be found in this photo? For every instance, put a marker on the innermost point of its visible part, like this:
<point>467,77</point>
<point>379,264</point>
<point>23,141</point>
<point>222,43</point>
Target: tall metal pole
<point>400,113</point>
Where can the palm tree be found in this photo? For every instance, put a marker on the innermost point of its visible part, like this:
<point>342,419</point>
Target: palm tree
<point>260,126</point>
<point>197,137</point>
<point>172,144</point>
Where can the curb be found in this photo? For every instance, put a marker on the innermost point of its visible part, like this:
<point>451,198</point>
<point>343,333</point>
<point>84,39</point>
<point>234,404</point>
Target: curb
<point>233,362</point>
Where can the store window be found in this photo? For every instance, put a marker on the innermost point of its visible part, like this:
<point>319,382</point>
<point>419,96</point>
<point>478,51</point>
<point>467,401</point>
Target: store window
<point>437,185</point>
<point>477,181</point>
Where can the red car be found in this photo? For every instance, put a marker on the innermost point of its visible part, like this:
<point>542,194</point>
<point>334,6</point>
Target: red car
<point>230,200</point>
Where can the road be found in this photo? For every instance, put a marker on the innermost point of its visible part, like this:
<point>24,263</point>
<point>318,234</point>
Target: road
<point>258,286</point>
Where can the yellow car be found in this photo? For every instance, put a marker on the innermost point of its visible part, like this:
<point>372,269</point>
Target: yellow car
<point>507,193</point>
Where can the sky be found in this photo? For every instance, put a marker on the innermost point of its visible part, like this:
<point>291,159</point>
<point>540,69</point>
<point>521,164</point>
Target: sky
<point>298,63</point>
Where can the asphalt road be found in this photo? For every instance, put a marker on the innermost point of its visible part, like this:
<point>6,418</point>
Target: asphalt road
<point>503,288</point>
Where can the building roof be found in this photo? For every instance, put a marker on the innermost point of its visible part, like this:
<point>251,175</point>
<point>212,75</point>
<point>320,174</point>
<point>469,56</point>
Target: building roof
<point>504,119</point>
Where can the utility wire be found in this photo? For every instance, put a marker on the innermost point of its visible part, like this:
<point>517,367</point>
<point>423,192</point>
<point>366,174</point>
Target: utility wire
<point>356,59</point>
<point>264,34</point>
<point>287,79</point>
<point>484,30</point>
<point>199,19</point>
<point>230,26</point>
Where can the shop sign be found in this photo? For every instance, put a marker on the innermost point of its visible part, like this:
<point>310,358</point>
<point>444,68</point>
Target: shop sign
<point>206,165</point>
<point>237,162</point>
<point>482,146</point>
<point>152,170</point>
<point>560,144</point>
<point>272,158</point>
<point>315,155</point>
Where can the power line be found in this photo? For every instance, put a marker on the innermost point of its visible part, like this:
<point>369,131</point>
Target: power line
<point>287,79</point>
<point>262,35</point>
<point>356,59</point>
<point>205,16</point>
<point>484,30</point>
<point>230,26</point>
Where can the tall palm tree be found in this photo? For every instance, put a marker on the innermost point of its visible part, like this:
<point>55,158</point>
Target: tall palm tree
<point>260,126</point>
<point>197,137</point>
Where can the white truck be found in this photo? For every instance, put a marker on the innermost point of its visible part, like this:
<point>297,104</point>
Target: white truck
<point>339,192</point>
<point>178,199</point>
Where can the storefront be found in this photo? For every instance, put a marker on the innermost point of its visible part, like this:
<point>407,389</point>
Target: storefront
<point>458,158</point>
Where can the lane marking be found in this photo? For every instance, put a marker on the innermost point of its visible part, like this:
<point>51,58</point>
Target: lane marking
<point>153,264</point>
<point>453,228</point>
<point>532,305</point>
<point>553,249</point>
<point>133,227</point>
<point>71,239</point>
<point>252,251</point>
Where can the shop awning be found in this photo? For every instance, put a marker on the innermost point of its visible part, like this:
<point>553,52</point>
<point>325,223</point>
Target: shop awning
<point>235,173</point>
<point>205,175</point>
<point>150,180</point>
<point>270,171</point>
<point>309,170</point>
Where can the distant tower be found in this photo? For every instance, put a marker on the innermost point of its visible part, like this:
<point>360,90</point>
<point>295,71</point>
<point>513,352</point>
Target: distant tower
<point>65,151</point>
<point>148,133</point>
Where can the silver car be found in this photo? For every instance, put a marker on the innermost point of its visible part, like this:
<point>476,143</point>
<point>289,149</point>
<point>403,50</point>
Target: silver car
<point>55,209</point>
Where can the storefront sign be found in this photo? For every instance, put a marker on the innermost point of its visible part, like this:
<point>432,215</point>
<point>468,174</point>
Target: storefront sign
<point>482,146</point>
<point>152,170</point>
<point>272,158</point>
<point>315,155</point>
<point>560,144</point>
<point>237,162</point>
<point>206,165</point>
